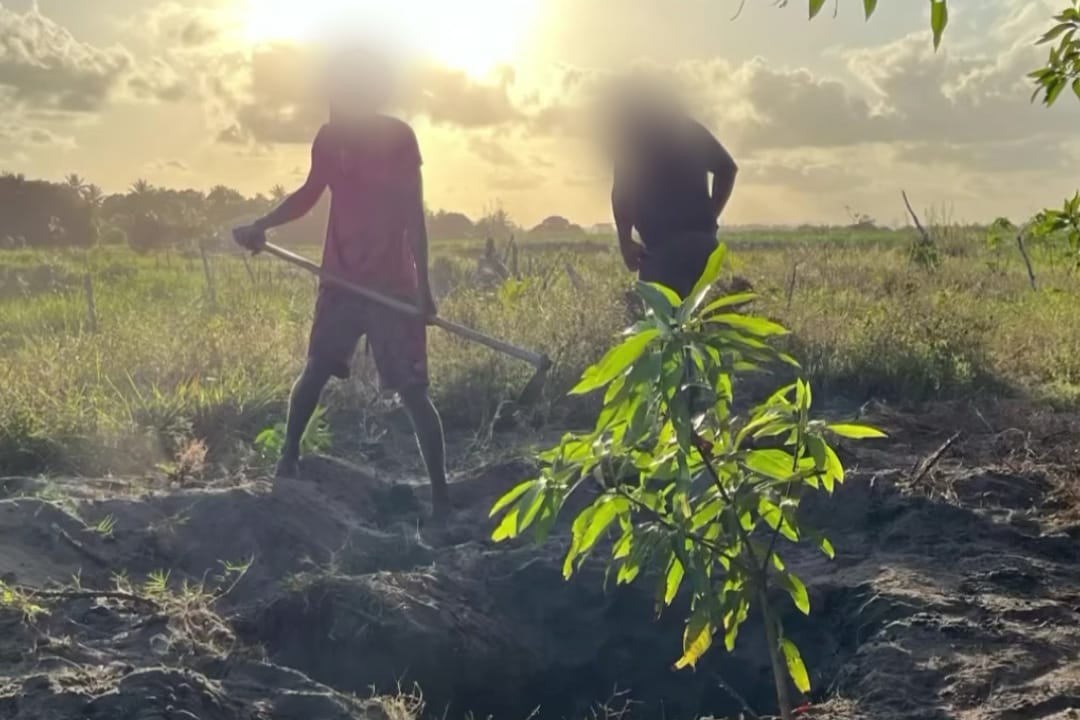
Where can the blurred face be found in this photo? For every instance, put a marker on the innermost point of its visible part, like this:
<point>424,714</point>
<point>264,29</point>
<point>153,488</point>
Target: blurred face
<point>358,86</point>
<point>634,112</point>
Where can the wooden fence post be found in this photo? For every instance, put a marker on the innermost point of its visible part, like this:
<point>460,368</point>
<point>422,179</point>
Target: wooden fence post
<point>91,308</point>
<point>210,292</point>
<point>791,283</point>
<point>1027,258</point>
<point>247,266</point>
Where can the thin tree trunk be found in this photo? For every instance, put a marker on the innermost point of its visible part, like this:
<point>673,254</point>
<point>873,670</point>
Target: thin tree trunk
<point>779,666</point>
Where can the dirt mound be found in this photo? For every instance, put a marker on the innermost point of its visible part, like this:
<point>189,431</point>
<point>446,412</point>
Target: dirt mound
<point>955,593</point>
<point>98,659</point>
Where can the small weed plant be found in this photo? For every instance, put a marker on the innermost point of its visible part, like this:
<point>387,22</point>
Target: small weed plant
<point>317,439</point>
<point>1065,222</point>
<point>695,494</point>
<point>18,600</point>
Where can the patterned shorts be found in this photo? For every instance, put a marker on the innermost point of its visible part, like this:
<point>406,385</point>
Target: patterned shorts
<point>398,342</point>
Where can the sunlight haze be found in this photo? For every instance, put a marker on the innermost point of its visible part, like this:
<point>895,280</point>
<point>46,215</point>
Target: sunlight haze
<point>825,118</point>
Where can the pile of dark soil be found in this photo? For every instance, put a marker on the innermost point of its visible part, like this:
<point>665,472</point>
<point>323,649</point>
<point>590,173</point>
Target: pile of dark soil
<point>955,593</point>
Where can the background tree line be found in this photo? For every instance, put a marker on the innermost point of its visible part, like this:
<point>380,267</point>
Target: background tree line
<point>77,213</point>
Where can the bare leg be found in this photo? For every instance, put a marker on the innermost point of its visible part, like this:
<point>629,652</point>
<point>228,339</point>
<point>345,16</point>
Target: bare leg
<point>302,404</point>
<point>432,442</point>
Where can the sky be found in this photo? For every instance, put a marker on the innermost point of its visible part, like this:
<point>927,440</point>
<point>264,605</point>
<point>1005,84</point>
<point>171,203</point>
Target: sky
<point>826,119</point>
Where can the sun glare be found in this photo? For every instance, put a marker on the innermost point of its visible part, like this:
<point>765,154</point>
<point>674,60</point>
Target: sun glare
<point>472,35</point>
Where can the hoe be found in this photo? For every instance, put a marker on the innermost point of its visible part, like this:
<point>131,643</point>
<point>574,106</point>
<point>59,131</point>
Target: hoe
<point>529,395</point>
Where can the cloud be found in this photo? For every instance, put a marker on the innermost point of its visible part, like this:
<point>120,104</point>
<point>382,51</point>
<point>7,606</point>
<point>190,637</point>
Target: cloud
<point>1029,154</point>
<point>273,98</point>
<point>42,65</point>
<point>158,80</point>
<point>45,70</point>
<point>180,26</point>
<point>20,134</point>
<point>196,32</point>
<point>857,122</point>
<point>822,173</point>
<point>162,165</point>
<point>492,152</point>
<point>452,97</point>
<point>517,181</point>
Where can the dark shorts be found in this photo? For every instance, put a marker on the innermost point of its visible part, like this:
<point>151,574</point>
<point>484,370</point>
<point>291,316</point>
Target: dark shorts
<point>397,342</point>
<point>678,261</point>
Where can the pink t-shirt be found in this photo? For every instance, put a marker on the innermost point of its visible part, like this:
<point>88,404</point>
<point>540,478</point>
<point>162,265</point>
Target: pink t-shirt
<point>368,168</point>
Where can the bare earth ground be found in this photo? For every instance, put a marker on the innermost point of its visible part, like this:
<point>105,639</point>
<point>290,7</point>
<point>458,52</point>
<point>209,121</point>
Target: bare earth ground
<point>955,594</point>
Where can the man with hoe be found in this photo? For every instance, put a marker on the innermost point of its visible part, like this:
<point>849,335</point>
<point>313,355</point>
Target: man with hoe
<point>376,238</point>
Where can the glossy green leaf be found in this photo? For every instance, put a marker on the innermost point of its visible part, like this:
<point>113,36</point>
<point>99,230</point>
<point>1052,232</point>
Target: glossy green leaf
<point>855,432</point>
<point>614,362</point>
<point>697,638</point>
<point>1054,32</point>
<point>661,300</point>
<point>674,580</point>
<point>606,513</point>
<point>754,325</point>
<point>510,497</point>
<point>1055,89</point>
<point>869,6</point>
<point>834,469</point>
<point>939,20</point>
<point>726,302</point>
<point>733,621</point>
<point>709,276</point>
<point>528,507</point>
<point>796,667</point>
<point>507,528</point>
<point>815,7</point>
<point>577,530</point>
<point>816,446</point>
<point>827,547</point>
<point>775,518</point>
<point>628,572</point>
<point>770,463</point>
<point>797,590</point>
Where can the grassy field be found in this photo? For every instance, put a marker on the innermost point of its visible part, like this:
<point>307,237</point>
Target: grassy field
<point>172,354</point>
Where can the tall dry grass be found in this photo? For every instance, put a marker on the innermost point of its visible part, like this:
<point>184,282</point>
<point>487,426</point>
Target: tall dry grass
<point>168,364</point>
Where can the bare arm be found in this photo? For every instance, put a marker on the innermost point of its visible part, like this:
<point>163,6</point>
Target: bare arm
<point>416,234</point>
<point>723,168</point>
<point>295,206</point>
<point>301,202</point>
<point>622,209</point>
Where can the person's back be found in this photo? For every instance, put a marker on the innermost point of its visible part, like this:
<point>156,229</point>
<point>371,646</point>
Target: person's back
<point>663,160</point>
<point>669,184</point>
<point>367,164</point>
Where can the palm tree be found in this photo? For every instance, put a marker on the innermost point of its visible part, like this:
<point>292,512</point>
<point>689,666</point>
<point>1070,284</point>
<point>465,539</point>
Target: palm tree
<point>141,187</point>
<point>93,195</point>
<point>278,193</point>
<point>75,182</point>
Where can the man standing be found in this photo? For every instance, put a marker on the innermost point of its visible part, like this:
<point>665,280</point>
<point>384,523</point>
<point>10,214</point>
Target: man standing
<point>376,238</point>
<point>663,160</point>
